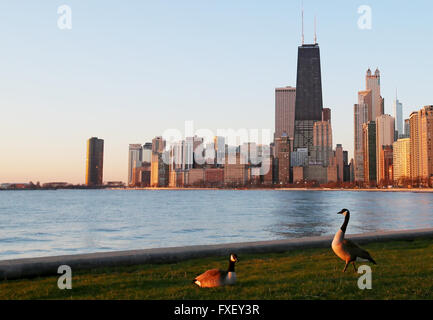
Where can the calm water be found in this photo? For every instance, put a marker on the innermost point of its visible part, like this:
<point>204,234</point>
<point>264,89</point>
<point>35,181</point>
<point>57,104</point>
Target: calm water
<point>44,223</point>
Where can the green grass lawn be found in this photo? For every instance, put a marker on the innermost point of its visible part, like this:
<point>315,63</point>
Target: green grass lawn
<point>404,271</point>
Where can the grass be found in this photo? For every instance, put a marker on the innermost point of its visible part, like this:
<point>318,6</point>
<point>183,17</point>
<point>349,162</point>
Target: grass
<point>404,271</point>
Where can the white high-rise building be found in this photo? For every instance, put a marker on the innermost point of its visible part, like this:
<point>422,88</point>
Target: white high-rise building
<point>398,115</point>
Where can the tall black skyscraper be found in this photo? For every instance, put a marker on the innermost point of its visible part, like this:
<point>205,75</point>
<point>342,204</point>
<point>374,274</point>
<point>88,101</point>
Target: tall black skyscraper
<point>309,103</point>
<point>309,84</point>
<point>94,161</point>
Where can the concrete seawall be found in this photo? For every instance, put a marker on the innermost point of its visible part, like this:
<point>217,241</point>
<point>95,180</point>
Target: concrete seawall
<point>33,267</point>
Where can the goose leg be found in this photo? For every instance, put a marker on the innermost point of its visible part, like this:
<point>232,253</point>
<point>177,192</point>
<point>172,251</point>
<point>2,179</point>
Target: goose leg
<point>354,267</point>
<point>345,267</point>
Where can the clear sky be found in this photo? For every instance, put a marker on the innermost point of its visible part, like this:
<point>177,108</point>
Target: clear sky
<point>128,70</point>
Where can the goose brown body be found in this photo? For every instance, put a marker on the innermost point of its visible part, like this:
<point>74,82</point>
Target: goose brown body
<point>217,278</point>
<point>348,250</point>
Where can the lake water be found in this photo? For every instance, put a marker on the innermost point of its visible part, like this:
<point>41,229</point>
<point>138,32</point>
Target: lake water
<point>45,223</point>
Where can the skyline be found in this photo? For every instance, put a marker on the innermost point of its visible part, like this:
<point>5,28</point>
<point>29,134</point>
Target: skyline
<point>74,91</point>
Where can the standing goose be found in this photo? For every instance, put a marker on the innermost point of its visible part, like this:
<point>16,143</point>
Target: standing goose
<point>217,278</point>
<point>348,250</point>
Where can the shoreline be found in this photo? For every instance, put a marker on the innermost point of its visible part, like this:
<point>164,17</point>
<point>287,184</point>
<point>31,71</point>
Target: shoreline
<point>413,190</point>
<point>44,266</point>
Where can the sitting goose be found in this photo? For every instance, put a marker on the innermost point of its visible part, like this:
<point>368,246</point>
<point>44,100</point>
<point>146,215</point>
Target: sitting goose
<point>348,250</point>
<point>216,278</point>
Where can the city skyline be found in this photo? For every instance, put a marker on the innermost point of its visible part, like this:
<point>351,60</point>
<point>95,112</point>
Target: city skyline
<point>52,129</point>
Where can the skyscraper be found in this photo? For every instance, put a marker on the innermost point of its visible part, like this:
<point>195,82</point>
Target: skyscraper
<point>415,160</point>
<point>340,162</point>
<point>421,144</point>
<point>322,143</point>
<point>220,150</point>
<point>158,145</point>
<point>346,172</point>
<point>147,152</point>
<point>426,142</point>
<point>398,115</point>
<point>384,138</point>
<point>309,103</point>
<point>369,143</point>
<point>282,149</point>
<point>285,99</point>
<point>386,169</point>
<point>373,84</point>
<point>407,128</point>
<point>360,112</point>
<point>94,161</point>
<point>159,173</point>
<point>135,156</point>
<point>326,114</point>
<point>365,98</point>
<point>401,159</point>
<point>370,106</point>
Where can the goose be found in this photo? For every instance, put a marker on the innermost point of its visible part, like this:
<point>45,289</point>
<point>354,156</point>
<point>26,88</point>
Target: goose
<point>348,250</point>
<point>217,278</point>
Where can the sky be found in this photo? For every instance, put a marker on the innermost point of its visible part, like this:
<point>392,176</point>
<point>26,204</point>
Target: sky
<point>127,71</point>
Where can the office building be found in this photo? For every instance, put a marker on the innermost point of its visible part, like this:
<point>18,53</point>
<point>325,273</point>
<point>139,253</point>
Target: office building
<point>398,116</point>
<point>373,84</point>
<point>135,156</point>
<point>282,149</point>
<point>236,173</point>
<point>158,145</point>
<point>285,99</point>
<point>386,166</point>
<point>346,173</point>
<point>147,152</point>
<point>309,103</point>
<point>360,117</point>
<point>339,162</point>
<point>406,128</point>
<point>401,159</point>
<point>385,133</point>
<point>94,162</point>
<point>421,145</point>
<point>220,150</point>
<point>322,143</point>
<point>159,171</point>
<point>369,147</point>
<point>326,114</point>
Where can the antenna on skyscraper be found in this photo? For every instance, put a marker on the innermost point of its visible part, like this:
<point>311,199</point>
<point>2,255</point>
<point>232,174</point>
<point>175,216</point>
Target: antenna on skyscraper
<point>315,31</point>
<point>302,22</point>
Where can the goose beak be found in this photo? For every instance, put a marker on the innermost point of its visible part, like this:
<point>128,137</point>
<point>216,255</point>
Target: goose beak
<point>341,212</point>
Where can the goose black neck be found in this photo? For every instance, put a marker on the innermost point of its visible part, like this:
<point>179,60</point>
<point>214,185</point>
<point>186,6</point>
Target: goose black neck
<point>346,222</point>
<point>231,266</point>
